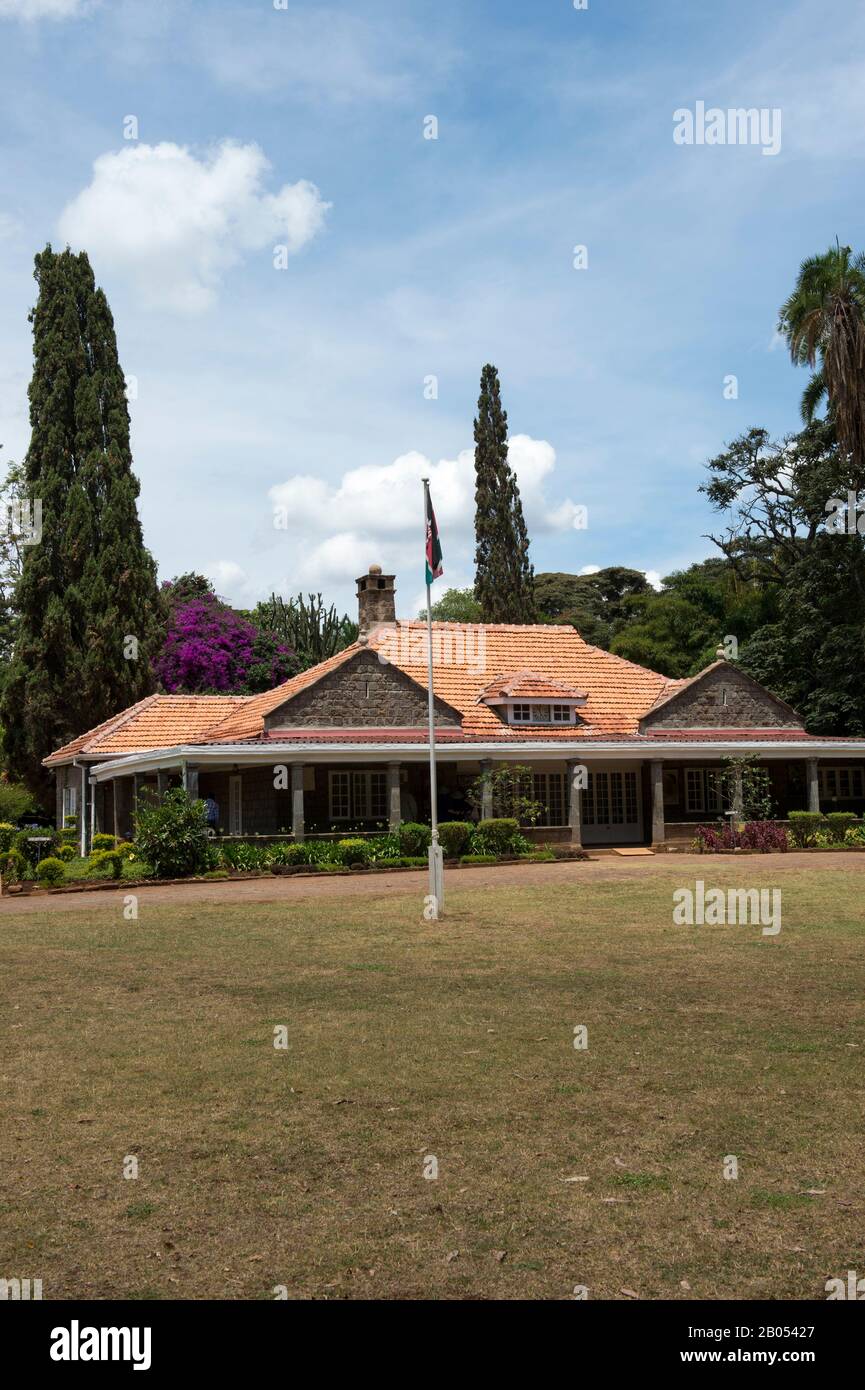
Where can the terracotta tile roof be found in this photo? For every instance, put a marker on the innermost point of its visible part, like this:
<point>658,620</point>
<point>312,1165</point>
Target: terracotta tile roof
<point>468,659</point>
<point>159,721</point>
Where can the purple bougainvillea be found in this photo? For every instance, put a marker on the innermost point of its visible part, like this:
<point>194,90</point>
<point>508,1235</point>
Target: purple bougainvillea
<point>209,647</point>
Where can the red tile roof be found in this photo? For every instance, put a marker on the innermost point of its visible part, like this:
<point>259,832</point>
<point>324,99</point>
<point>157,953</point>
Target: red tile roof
<point>470,661</point>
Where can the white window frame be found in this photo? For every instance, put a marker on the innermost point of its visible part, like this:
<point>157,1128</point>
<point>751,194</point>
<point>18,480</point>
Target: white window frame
<point>566,712</point>
<point>70,803</point>
<point>358,795</point>
<point>703,790</point>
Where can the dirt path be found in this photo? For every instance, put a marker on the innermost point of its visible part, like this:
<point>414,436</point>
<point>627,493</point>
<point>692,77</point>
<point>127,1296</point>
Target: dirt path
<point>605,869</point>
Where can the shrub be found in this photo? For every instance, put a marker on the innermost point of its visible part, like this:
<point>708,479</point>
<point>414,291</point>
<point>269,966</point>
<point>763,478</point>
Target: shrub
<point>102,841</point>
<point>414,861</point>
<point>414,839</point>
<point>838,823</point>
<point>499,836</point>
<point>478,859</point>
<point>454,837</point>
<point>763,836</point>
<point>7,835</point>
<point>65,853</point>
<point>105,863</point>
<point>13,865</point>
<point>353,852</point>
<point>50,871</point>
<point>539,856</point>
<point>804,826</point>
<point>172,835</point>
<point>126,849</point>
<point>15,800</point>
<point>855,836</point>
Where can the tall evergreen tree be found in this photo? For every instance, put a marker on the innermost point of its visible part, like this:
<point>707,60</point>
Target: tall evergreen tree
<point>88,587</point>
<point>504,578</point>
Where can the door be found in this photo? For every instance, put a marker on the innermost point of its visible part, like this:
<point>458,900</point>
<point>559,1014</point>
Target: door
<point>235,805</point>
<point>612,811</point>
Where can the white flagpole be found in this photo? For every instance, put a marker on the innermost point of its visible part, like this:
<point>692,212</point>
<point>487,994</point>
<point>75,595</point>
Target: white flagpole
<point>436,870</point>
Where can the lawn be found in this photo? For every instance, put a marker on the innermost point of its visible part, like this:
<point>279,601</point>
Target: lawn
<point>409,1042</point>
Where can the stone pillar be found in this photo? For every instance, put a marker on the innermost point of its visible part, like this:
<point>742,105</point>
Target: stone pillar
<point>738,806</point>
<point>393,796</point>
<point>575,801</point>
<point>487,792</point>
<point>298,825</point>
<point>813,785</point>
<point>659,833</point>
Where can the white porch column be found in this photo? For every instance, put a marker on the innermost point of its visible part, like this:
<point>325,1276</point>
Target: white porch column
<point>813,785</point>
<point>84,815</point>
<point>393,796</point>
<point>575,801</point>
<point>659,833</point>
<point>487,790</point>
<point>298,825</point>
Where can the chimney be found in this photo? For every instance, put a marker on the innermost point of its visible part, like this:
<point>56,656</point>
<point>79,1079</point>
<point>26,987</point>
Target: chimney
<point>376,600</point>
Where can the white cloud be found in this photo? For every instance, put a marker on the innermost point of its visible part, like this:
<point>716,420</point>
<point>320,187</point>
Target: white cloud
<point>44,9</point>
<point>653,577</point>
<point>174,224</point>
<point>374,514</point>
<point>590,569</point>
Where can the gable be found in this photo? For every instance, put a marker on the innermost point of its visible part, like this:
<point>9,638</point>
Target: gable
<point>721,697</point>
<point>363,692</point>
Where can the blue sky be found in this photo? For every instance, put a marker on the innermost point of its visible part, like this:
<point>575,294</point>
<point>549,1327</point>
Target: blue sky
<point>296,395</point>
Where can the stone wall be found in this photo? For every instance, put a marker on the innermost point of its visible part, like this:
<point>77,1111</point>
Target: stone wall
<point>364,692</point>
<point>724,699</point>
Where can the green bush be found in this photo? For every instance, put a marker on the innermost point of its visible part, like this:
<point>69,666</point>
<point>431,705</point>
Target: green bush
<point>105,863</point>
<point>538,856</point>
<point>68,835</point>
<point>478,859</point>
<point>15,800</point>
<point>454,837</point>
<point>13,866</point>
<point>855,836</point>
<point>414,839</point>
<point>50,871</point>
<point>7,835</point>
<point>353,852</point>
<point>171,835</point>
<point>804,826</point>
<point>414,861</point>
<point>102,841</point>
<point>499,836</point>
<point>65,852</point>
<point>838,823</point>
<point>126,849</point>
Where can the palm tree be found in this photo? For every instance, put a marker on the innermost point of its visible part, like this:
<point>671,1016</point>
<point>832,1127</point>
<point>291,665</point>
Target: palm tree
<point>823,322</point>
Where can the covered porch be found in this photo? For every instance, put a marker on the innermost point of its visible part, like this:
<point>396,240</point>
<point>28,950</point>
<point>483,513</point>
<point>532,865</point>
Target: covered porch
<point>610,797</point>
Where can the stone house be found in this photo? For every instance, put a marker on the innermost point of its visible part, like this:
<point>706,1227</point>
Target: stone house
<point>619,754</point>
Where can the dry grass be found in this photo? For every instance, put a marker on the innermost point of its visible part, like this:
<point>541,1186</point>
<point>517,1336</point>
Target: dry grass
<point>304,1167</point>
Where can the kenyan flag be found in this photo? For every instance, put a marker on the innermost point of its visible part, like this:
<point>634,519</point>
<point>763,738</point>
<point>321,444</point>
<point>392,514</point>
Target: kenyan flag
<point>433,544</point>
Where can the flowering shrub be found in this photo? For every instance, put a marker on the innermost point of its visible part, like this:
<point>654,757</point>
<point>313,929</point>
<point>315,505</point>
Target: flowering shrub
<point>209,647</point>
<point>171,836</point>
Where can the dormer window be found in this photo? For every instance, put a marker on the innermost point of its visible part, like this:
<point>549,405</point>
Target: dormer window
<point>535,712</point>
<point>532,697</point>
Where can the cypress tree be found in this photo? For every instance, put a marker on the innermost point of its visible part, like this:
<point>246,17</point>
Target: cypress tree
<point>504,576</point>
<point>88,585</point>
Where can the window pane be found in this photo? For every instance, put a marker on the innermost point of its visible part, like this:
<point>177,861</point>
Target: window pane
<point>602,799</point>
<point>556,798</point>
<point>631,816</point>
<point>694,788</point>
<point>360,795</point>
<point>339,807</point>
<point>617,804</point>
<point>378,795</point>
